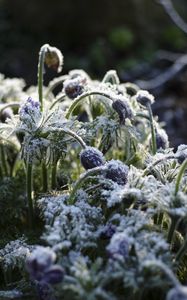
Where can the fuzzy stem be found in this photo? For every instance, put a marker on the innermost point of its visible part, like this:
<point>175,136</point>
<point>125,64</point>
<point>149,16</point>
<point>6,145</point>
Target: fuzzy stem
<point>148,169</point>
<point>84,96</point>
<point>173,226</point>
<point>165,269</point>
<point>71,133</point>
<point>179,176</point>
<point>82,178</point>
<point>111,76</point>
<point>153,136</point>
<point>7,105</point>
<point>53,175</point>
<point>181,251</point>
<point>3,159</point>
<point>29,194</point>
<point>53,84</point>
<point>40,73</point>
<point>44,177</point>
<point>59,99</point>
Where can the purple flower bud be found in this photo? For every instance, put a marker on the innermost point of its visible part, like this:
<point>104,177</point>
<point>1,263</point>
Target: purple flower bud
<point>119,246</point>
<point>91,157</point>
<point>54,58</point>
<point>117,171</point>
<point>123,110</point>
<point>54,274</point>
<point>177,293</point>
<point>75,86</point>
<point>108,231</point>
<point>181,153</point>
<point>144,97</point>
<point>39,261</point>
<point>161,139</point>
<point>6,113</point>
<point>30,107</point>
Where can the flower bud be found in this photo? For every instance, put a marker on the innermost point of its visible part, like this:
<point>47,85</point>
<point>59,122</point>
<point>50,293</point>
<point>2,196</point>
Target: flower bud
<point>39,261</point>
<point>117,171</point>
<point>54,58</point>
<point>6,113</point>
<point>123,110</point>
<point>119,246</point>
<point>181,153</point>
<point>91,157</point>
<point>54,274</point>
<point>161,139</point>
<point>144,97</point>
<point>177,293</point>
<point>74,87</point>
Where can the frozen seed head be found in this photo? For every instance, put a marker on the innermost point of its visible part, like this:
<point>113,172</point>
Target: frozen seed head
<point>161,139</point>
<point>54,58</point>
<point>40,260</point>
<point>91,157</point>
<point>123,110</point>
<point>119,246</point>
<point>74,87</point>
<point>181,153</point>
<point>53,275</point>
<point>144,97</point>
<point>117,171</point>
<point>177,293</point>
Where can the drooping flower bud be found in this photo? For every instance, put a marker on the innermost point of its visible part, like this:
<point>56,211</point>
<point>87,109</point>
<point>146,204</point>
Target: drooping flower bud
<point>144,97</point>
<point>5,114</point>
<point>117,171</point>
<point>54,58</point>
<point>119,246</point>
<point>177,293</point>
<point>123,110</point>
<point>181,153</point>
<point>74,87</point>
<point>161,139</point>
<point>91,157</point>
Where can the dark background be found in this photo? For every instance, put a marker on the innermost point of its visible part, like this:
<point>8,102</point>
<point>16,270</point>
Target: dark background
<point>98,35</point>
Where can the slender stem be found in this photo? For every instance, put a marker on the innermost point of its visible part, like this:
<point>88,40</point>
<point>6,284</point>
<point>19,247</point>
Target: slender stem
<point>54,83</point>
<point>71,133</point>
<point>153,136</point>
<point>84,96</point>
<point>4,161</point>
<point>7,105</point>
<point>111,76</point>
<point>44,177</point>
<point>165,269</point>
<point>172,228</point>
<point>181,251</point>
<point>148,169</point>
<point>29,184</point>
<point>53,175</point>
<point>82,178</point>
<point>40,73</point>
<point>179,176</point>
<point>59,99</point>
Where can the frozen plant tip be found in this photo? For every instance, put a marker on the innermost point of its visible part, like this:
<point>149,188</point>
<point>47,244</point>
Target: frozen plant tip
<point>54,58</point>
<point>119,246</point>
<point>74,87</point>
<point>144,97</point>
<point>117,171</point>
<point>177,293</point>
<point>161,139</point>
<point>91,157</point>
<point>181,153</point>
<point>123,110</point>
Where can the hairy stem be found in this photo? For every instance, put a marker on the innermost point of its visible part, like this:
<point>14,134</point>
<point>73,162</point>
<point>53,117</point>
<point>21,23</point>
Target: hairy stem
<point>3,160</point>
<point>41,73</point>
<point>153,135</point>
<point>82,178</point>
<point>179,176</point>
<point>29,184</point>
<point>59,99</point>
<point>172,228</point>
<point>53,175</point>
<point>44,177</point>
<point>181,251</point>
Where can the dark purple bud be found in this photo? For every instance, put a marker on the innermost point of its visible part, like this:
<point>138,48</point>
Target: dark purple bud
<point>117,171</point>
<point>108,231</point>
<point>161,139</point>
<point>39,261</point>
<point>54,274</point>
<point>123,110</point>
<point>74,87</point>
<point>6,113</point>
<point>54,58</point>
<point>177,293</point>
<point>181,153</point>
<point>144,97</point>
<point>119,246</point>
<point>91,157</point>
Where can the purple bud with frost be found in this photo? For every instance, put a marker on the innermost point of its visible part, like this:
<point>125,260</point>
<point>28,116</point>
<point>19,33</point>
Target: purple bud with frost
<point>91,157</point>
<point>54,274</point>
<point>117,171</point>
<point>118,246</point>
<point>74,87</point>
<point>123,110</point>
